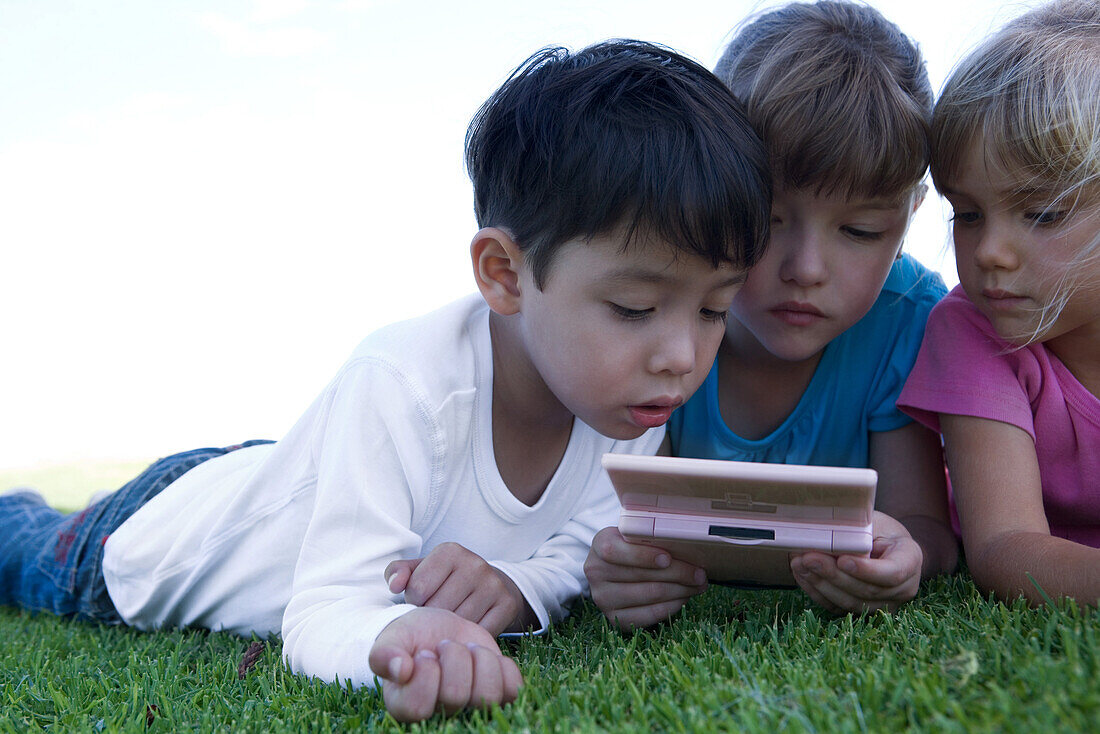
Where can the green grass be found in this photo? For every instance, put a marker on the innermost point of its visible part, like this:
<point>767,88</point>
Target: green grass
<point>735,660</point>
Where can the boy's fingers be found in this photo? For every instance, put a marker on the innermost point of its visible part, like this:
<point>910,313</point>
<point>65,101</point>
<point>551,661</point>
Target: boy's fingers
<point>828,572</point>
<point>513,679</point>
<point>488,678</point>
<point>391,663</point>
<point>842,593</point>
<point>475,607</point>
<point>809,585</point>
<point>398,572</point>
<point>497,618</point>
<point>610,546</point>
<point>885,572</point>
<point>644,616</point>
<point>456,676</point>
<point>418,699</point>
<point>428,579</point>
<point>625,596</point>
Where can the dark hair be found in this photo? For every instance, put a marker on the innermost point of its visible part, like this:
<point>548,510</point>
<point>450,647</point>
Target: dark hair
<point>622,134</point>
<point>839,94</point>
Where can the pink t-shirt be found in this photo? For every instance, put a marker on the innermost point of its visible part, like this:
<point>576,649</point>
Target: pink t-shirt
<point>964,368</point>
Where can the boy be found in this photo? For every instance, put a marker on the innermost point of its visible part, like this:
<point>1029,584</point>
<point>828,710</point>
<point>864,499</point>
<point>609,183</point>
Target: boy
<point>828,324</point>
<point>620,194</point>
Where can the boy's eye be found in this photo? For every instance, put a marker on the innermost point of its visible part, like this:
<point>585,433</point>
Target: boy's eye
<point>630,314</point>
<point>709,314</point>
<point>862,234</point>
<point>965,217</point>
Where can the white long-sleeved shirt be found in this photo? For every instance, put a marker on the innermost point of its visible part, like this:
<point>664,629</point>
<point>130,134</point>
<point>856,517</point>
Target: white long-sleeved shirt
<point>394,458</point>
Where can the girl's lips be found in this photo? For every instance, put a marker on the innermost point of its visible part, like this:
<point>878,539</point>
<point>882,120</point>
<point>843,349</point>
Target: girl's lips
<point>1000,300</point>
<point>651,416</point>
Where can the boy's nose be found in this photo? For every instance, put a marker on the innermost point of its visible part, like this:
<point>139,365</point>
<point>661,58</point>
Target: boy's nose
<point>675,352</point>
<point>804,261</point>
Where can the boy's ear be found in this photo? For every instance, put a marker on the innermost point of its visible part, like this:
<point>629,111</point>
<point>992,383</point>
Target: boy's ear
<point>918,197</point>
<point>497,262</point>
<point>919,193</point>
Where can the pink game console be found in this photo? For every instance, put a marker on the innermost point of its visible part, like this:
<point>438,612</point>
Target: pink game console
<point>741,520</point>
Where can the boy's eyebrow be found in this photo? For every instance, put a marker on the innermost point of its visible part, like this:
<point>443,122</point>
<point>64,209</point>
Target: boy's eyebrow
<point>877,204</point>
<point>639,275</point>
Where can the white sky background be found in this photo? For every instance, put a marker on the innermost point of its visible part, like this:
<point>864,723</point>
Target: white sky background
<point>205,205</point>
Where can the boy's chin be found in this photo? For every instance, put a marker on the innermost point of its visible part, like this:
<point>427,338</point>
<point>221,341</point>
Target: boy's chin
<point>623,431</point>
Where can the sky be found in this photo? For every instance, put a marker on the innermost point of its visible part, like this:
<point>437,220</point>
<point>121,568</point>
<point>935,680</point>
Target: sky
<point>204,206</point>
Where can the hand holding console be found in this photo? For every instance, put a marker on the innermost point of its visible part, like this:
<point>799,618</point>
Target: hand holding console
<point>740,520</point>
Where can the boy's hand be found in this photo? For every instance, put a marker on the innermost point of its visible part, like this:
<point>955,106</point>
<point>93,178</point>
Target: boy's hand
<point>433,660</point>
<point>886,580</point>
<point>637,585</point>
<point>460,581</point>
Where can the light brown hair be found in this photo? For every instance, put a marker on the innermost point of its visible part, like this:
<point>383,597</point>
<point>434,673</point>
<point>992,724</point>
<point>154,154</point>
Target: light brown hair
<point>1029,95</point>
<point>839,95</point>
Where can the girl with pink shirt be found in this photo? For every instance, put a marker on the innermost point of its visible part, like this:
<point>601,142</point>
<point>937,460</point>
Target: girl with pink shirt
<point>1009,370</point>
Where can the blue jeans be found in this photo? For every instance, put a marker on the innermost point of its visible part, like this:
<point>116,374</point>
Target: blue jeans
<point>53,562</point>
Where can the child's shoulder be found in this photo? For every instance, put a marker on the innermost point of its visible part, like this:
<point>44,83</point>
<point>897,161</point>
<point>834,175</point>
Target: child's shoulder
<point>897,317</point>
<point>428,357</point>
<point>957,315</point>
<point>434,340</point>
<point>910,281</point>
<point>961,338</point>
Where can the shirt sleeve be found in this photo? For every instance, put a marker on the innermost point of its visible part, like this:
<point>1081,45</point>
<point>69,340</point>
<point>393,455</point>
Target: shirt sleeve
<point>554,576</point>
<point>964,369</point>
<point>374,458</point>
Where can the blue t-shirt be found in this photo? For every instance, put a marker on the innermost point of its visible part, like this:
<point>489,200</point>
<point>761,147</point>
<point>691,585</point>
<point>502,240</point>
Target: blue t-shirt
<point>853,391</point>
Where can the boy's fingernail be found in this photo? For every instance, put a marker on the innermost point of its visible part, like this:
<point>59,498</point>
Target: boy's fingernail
<point>700,577</point>
<point>662,561</point>
<point>389,581</point>
<point>847,565</point>
<point>395,668</point>
<point>427,654</point>
<point>472,645</point>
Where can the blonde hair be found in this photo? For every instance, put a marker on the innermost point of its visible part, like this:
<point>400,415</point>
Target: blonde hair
<point>839,95</point>
<point>1030,94</point>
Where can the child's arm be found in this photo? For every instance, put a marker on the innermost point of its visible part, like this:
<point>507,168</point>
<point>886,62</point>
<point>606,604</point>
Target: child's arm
<point>637,585</point>
<point>995,475</point>
<point>913,537</point>
<point>912,490</point>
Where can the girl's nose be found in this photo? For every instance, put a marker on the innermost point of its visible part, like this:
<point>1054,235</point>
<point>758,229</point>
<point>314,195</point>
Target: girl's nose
<point>996,250</point>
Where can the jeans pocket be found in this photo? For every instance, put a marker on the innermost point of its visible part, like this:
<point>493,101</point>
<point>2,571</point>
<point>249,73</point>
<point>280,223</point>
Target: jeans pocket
<point>59,554</point>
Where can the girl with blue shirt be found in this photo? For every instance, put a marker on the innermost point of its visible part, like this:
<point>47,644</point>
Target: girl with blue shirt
<point>825,329</point>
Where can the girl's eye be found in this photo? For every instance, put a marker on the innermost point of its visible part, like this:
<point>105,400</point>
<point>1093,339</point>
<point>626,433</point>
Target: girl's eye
<point>1047,216</point>
<point>862,234</point>
<point>630,314</point>
<point>711,315</point>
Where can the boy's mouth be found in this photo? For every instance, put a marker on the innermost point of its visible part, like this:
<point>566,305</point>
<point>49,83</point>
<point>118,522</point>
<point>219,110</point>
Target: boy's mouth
<point>651,416</point>
<point>797,314</point>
